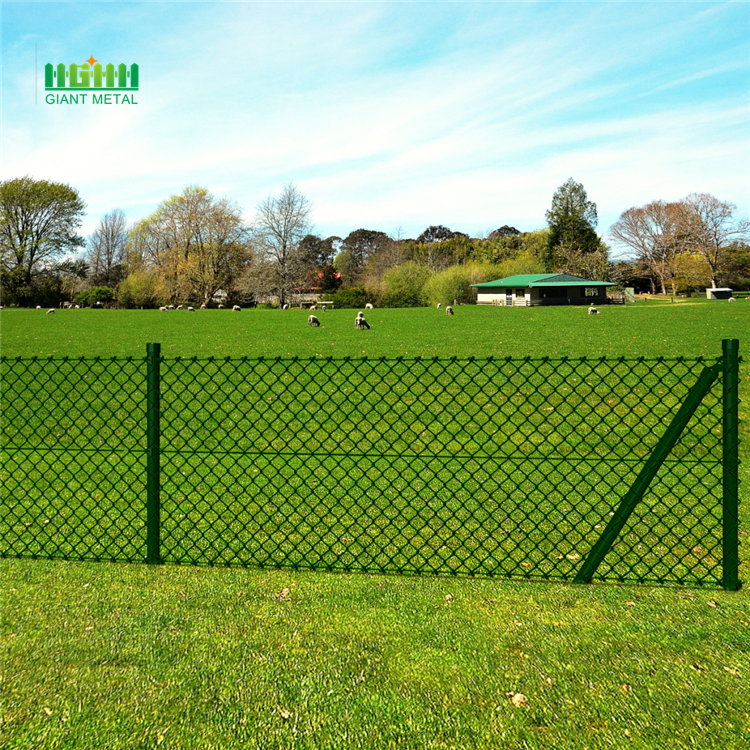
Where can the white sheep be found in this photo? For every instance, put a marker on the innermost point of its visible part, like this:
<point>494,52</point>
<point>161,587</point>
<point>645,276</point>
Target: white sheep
<point>162,309</point>
<point>51,310</point>
<point>285,307</point>
<point>78,307</point>
<point>731,299</point>
<point>220,307</point>
<point>313,308</point>
<point>368,306</point>
<point>593,310</point>
<point>191,309</point>
<point>448,310</point>
<point>439,305</point>
<point>179,307</point>
<point>236,308</point>
<point>170,307</point>
<point>312,320</point>
<point>203,306</point>
<point>38,307</point>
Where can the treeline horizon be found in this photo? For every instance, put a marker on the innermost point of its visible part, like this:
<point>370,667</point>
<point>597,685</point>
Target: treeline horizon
<point>195,246</point>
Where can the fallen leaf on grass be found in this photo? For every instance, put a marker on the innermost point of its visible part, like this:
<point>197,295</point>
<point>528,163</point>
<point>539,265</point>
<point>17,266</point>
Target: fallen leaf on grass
<point>518,699</point>
<point>698,668</point>
<point>286,715</point>
<point>47,711</point>
<point>527,564</point>
<point>712,603</point>
<point>573,556</point>
<point>630,604</point>
<point>625,687</point>
<point>549,681</point>
<point>283,595</point>
<point>732,671</point>
<point>448,598</point>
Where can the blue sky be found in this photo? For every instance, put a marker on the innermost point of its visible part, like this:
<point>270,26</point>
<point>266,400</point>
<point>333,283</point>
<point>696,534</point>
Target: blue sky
<point>389,116</point>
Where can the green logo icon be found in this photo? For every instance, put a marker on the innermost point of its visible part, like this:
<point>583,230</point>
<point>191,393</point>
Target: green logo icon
<point>91,76</point>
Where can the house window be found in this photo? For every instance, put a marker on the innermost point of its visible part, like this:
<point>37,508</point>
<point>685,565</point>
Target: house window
<point>592,291</point>
<point>520,293</point>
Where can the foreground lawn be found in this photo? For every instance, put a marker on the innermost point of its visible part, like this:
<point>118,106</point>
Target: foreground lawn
<point>129,656</point>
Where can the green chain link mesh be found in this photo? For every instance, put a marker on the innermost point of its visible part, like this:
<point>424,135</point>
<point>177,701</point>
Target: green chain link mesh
<point>497,467</point>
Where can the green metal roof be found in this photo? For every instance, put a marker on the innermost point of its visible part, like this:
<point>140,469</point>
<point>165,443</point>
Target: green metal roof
<point>543,279</point>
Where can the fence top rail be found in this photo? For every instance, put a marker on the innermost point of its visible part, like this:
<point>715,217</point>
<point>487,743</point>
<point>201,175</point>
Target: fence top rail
<point>708,360</point>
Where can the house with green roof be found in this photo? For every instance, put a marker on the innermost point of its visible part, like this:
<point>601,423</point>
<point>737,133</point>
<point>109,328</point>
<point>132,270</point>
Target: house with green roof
<point>532,289</point>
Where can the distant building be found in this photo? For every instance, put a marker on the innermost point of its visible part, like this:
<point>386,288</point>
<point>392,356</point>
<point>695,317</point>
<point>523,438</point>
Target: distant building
<point>532,289</point>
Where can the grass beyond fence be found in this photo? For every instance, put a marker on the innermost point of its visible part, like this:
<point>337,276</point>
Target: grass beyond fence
<point>488,466</point>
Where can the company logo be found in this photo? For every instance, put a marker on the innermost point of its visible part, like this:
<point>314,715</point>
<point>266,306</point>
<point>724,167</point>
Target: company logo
<point>108,81</point>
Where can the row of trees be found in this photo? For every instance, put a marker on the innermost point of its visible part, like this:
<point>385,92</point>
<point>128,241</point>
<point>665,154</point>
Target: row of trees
<point>195,246</point>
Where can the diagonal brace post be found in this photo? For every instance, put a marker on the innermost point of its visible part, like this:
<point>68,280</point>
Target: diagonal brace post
<point>647,473</point>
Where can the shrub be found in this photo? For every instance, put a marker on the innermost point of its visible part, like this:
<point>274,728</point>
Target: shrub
<point>138,290</point>
<point>403,285</point>
<point>350,298</point>
<point>95,294</point>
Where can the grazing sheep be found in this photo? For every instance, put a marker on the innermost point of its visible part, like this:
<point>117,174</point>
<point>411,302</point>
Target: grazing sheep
<point>51,310</point>
<point>236,308</point>
<point>439,305</point>
<point>448,310</point>
<point>593,310</point>
<point>163,309</point>
<point>731,299</point>
<point>78,307</point>
<point>220,307</point>
<point>360,322</point>
<point>368,306</point>
<point>312,320</point>
<point>38,307</point>
<point>285,307</point>
<point>313,308</point>
<point>203,306</point>
<point>179,307</point>
<point>191,309</point>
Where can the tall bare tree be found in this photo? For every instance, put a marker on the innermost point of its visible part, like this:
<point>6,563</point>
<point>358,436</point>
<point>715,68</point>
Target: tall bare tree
<point>106,254</point>
<point>653,233</point>
<point>281,224</point>
<point>707,227</point>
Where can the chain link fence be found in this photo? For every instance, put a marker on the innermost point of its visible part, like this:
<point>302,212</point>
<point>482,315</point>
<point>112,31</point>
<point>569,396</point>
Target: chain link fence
<point>613,469</point>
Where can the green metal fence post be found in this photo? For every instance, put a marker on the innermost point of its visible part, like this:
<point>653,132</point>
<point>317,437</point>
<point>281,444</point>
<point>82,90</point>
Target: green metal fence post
<point>153,434</point>
<point>730,441</point>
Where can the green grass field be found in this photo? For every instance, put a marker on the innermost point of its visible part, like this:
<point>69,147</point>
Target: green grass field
<point>134,656</point>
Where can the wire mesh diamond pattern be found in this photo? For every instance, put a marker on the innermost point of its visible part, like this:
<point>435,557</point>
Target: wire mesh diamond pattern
<point>474,466</point>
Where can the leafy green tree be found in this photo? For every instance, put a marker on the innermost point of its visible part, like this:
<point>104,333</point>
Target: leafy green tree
<point>361,244</point>
<point>572,219</point>
<point>403,285</point>
<point>39,220</point>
